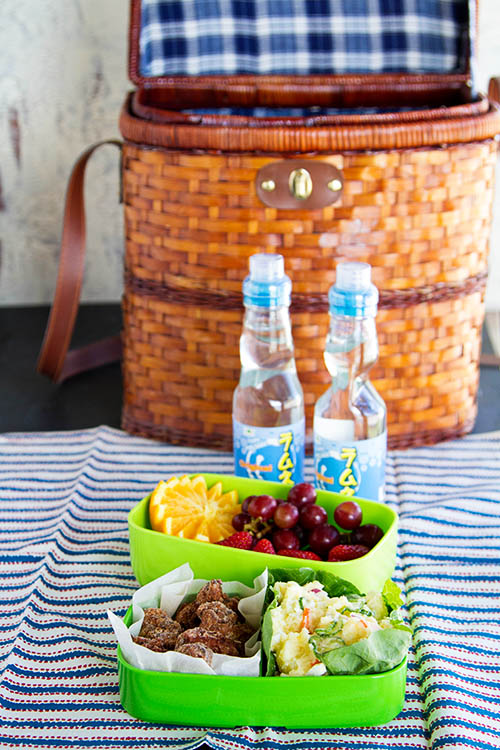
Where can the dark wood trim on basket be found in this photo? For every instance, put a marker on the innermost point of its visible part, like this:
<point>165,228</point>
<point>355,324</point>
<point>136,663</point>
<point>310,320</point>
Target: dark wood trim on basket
<point>388,298</point>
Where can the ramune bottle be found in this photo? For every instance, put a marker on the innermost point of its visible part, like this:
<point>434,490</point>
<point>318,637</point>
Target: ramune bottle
<point>268,403</point>
<point>350,434</point>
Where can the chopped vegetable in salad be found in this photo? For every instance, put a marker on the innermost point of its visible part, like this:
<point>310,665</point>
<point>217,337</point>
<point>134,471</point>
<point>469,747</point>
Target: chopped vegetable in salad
<point>314,633</point>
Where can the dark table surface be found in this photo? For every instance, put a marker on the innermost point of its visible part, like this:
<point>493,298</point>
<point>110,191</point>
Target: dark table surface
<point>31,402</point>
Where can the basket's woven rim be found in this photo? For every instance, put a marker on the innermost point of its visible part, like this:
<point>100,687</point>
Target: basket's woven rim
<point>300,139</point>
<point>388,298</point>
<point>147,105</point>
<point>225,443</point>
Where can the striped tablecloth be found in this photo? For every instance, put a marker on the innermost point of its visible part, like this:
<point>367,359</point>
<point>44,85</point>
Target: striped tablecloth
<point>64,499</point>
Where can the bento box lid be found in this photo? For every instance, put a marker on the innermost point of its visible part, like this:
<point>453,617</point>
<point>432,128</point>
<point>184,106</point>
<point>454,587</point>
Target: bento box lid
<point>426,43</point>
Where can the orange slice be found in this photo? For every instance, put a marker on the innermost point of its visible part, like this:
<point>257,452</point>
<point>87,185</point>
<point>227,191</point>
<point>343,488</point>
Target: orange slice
<point>186,508</point>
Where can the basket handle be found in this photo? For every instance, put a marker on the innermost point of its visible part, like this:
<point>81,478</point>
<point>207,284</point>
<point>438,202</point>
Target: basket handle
<point>54,359</point>
<point>494,89</point>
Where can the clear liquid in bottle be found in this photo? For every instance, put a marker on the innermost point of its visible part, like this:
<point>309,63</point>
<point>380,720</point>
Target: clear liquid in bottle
<point>350,437</point>
<point>268,403</point>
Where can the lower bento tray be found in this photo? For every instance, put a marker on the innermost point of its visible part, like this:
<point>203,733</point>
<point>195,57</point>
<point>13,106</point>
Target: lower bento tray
<point>290,702</point>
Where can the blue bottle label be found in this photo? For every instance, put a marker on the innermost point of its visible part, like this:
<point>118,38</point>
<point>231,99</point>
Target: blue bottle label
<point>354,468</point>
<point>272,453</point>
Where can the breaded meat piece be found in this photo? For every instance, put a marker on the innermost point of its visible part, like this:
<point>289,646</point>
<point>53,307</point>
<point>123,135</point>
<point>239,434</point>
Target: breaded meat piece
<point>217,643</point>
<point>158,631</point>
<point>231,602</point>
<point>216,617</point>
<point>156,622</point>
<point>161,642</point>
<point>212,592</point>
<point>241,633</point>
<point>197,649</point>
<point>186,615</point>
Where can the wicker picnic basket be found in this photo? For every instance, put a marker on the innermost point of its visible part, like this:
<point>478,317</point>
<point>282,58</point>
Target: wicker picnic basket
<point>395,169</point>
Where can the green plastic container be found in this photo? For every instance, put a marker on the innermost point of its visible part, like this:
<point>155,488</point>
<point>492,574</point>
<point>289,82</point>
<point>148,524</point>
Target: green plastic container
<point>153,553</point>
<point>291,702</point>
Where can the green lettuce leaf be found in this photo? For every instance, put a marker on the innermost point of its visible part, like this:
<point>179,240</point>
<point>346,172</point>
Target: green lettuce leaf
<point>398,622</point>
<point>268,665</point>
<point>392,595</point>
<point>380,652</point>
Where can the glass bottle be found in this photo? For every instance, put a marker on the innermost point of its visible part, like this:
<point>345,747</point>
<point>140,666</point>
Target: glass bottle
<point>268,403</point>
<point>350,433</point>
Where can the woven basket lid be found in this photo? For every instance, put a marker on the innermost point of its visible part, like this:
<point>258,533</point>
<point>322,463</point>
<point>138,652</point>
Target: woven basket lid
<point>227,44</point>
<point>429,101</point>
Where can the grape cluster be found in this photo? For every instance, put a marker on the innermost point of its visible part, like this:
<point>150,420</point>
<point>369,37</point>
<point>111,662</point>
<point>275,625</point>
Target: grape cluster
<point>298,523</point>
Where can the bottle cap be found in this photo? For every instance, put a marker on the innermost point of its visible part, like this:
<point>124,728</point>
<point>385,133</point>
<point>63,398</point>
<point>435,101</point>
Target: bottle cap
<point>267,284</point>
<point>353,294</point>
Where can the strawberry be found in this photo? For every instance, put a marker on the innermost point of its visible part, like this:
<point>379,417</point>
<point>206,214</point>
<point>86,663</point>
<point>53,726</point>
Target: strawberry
<point>305,554</point>
<point>264,545</point>
<point>346,552</point>
<point>239,540</point>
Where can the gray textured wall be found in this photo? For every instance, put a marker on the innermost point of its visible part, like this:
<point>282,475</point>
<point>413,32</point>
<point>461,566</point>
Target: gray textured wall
<point>62,83</point>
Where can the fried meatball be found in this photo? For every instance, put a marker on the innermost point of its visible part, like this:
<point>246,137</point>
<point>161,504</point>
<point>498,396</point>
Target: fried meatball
<point>161,642</point>
<point>241,632</point>
<point>186,615</point>
<point>231,602</point>
<point>156,622</point>
<point>158,631</point>
<point>217,643</point>
<point>197,649</point>
<point>211,592</point>
<point>216,617</point>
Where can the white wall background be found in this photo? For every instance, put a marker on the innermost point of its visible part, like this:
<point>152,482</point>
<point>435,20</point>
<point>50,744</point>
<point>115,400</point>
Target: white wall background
<point>62,83</point>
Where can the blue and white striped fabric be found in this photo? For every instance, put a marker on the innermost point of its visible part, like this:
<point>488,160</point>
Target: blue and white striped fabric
<point>64,500</point>
<point>227,37</point>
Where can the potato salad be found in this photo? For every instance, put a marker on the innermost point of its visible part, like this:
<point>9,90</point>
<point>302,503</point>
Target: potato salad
<point>314,633</point>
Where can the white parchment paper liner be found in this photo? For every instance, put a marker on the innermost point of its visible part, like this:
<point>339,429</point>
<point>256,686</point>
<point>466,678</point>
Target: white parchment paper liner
<point>168,592</point>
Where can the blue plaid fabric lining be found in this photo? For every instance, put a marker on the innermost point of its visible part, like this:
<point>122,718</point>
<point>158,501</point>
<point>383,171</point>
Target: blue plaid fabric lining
<point>301,37</point>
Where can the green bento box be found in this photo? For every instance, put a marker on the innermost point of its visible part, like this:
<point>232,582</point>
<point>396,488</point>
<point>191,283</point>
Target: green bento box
<point>290,702</point>
<point>153,553</point>
<point>280,701</point>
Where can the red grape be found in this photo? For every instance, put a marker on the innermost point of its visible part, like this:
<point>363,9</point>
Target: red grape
<point>285,539</point>
<point>323,538</point>
<point>313,515</point>
<point>302,494</point>
<point>301,534</point>
<point>286,515</point>
<point>245,503</point>
<point>348,515</point>
<point>239,521</point>
<point>262,506</point>
<point>368,535</point>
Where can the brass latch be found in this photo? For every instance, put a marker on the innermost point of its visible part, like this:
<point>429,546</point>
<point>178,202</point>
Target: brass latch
<point>300,184</point>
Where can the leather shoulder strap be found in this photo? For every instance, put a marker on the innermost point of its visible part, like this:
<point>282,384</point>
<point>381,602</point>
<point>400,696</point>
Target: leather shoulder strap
<point>54,359</point>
